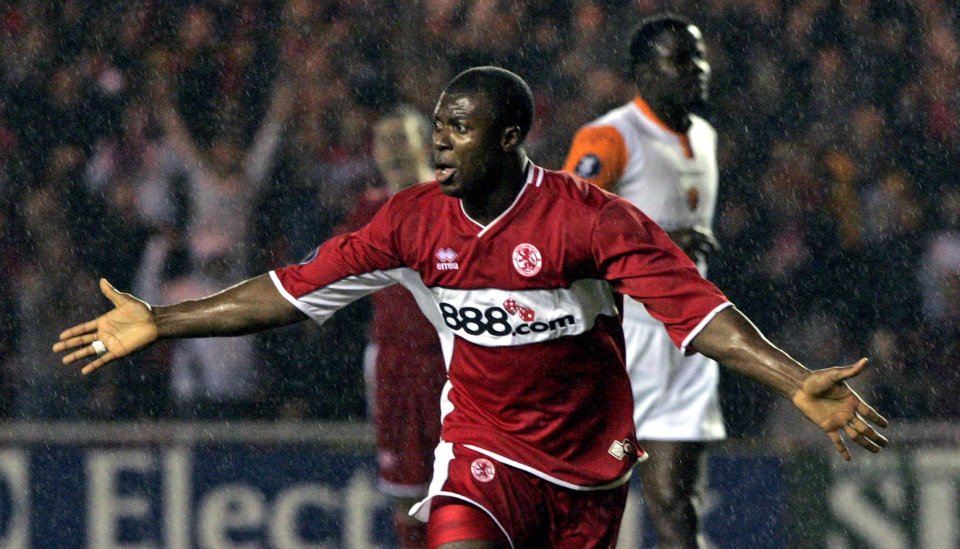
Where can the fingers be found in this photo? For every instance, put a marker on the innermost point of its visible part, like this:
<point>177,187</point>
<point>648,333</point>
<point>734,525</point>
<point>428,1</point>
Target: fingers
<point>839,445</point>
<point>80,354</point>
<point>860,432</point>
<point>86,351</point>
<point>865,435</point>
<point>72,342</point>
<point>852,370</point>
<point>78,330</point>
<point>97,363</point>
<point>867,412</point>
<point>111,293</point>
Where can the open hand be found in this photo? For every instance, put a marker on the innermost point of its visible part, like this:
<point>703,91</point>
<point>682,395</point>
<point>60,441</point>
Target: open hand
<point>827,400</point>
<point>127,328</point>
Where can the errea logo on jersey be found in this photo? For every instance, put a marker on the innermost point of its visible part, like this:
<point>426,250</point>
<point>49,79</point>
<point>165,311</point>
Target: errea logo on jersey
<point>448,260</point>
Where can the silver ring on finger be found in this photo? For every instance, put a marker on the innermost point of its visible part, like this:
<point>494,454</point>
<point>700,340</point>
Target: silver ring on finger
<point>99,347</point>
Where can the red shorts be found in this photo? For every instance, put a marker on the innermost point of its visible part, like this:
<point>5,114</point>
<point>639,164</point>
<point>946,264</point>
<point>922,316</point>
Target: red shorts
<point>406,416</point>
<point>530,511</point>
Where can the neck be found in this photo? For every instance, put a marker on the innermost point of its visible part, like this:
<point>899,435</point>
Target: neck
<point>676,117</point>
<point>504,183</point>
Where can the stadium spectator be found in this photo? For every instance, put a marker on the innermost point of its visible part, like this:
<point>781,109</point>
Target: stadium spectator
<point>215,378</point>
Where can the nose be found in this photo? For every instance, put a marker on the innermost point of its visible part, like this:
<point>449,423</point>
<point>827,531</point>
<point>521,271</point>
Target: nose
<point>441,138</point>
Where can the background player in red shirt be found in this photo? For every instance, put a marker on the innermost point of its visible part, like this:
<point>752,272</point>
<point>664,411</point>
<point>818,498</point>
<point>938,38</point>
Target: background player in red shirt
<point>403,364</point>
<point>570,493</point>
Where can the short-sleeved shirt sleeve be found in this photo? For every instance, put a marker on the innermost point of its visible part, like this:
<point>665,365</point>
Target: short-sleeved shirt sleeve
<point>342,270</point>
<point>597,154</point>
<point>640,261</point>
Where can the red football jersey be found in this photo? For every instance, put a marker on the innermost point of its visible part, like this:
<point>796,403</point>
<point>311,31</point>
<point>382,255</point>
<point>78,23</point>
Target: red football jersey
<point>527,309</point>
<point>390,324</point>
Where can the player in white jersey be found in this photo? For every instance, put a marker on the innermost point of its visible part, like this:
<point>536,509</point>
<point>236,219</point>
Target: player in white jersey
<point>661,157</point>
<point>520,270</point>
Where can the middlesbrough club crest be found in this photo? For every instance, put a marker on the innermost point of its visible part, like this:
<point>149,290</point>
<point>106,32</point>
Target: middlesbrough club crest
<point>527,260</point>
<point>482,470</point>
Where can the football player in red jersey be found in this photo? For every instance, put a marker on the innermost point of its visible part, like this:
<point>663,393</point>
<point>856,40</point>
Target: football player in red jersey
<point>403,363</point>
<point>538,440</point>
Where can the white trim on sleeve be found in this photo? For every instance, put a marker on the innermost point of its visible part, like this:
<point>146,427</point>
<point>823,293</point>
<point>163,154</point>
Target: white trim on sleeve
<point>703,324</point>
<point>286,295</point>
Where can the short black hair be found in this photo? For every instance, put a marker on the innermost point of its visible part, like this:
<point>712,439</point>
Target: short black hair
<point>647,31</point>
<point>509,95</point>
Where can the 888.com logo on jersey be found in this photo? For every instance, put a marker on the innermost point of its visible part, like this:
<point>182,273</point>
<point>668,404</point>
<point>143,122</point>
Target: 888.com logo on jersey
<point>494,318</point>
<point>509,319</point>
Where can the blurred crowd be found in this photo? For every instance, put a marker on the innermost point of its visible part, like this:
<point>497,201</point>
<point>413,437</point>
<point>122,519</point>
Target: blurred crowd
<point>177,147</point>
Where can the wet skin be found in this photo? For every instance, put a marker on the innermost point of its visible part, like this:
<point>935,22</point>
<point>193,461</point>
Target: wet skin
<point>476,161</point>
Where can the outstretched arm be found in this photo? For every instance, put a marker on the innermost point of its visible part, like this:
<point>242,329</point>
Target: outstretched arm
<point>822,396</point>
<point>132,324</point>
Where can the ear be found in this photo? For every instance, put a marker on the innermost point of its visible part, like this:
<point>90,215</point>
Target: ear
<point>510,139</point>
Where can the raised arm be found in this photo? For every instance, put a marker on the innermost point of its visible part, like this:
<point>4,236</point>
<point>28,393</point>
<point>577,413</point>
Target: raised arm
<point>132,324</point>
<point>174,127</point>
<point>823,396</point>
<point>258,160</point>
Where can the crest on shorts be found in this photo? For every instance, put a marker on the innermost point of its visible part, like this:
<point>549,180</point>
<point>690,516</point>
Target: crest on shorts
<point>588,166</point>
<point>482,469</point>
<point>527,260</point>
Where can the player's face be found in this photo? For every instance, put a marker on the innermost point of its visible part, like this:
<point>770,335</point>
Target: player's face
<point>399,150</point>
<point>465,143</point>
<point>681,65</point>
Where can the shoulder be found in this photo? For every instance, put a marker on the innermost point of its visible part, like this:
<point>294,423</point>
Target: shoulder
<point>572,190</point>
<point>618,117</point>
<point>407,207</point>
<point>599,150</point>
<point>614,123</point>
<point>416,197</point>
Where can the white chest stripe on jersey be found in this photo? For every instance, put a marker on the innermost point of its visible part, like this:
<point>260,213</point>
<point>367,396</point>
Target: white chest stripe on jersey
<point>486,316</point>
<point>502,318</point>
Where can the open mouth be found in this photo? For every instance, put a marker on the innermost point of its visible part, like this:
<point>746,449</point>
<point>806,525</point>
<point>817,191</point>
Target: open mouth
<point>444,173</point>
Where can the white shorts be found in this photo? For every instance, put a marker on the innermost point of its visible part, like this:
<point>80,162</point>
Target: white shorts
<point>674,396</point>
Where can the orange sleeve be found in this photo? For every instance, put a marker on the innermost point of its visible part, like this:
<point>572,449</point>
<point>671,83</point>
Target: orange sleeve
<point>597,154</point>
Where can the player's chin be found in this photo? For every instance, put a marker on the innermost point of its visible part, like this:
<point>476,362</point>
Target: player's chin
<point>452,193</point>
<point>451,188</point>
